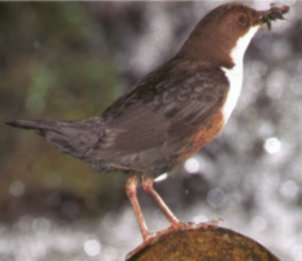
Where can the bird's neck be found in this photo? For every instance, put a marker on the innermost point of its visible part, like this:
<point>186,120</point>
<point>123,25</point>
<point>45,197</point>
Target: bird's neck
<point>235,73</point>
<point>238,51</point>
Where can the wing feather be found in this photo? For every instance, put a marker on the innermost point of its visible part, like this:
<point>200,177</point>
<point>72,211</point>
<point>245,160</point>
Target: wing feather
<point>168,104</point>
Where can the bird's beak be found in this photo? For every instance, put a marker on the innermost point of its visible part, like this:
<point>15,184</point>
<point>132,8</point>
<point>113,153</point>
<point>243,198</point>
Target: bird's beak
<point>274,13</point>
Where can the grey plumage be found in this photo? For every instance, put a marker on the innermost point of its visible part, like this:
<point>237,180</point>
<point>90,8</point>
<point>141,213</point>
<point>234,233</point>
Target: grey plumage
<point>146,129</point>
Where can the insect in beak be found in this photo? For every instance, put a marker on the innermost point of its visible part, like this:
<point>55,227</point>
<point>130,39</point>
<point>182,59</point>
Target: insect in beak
<point>274,13</point>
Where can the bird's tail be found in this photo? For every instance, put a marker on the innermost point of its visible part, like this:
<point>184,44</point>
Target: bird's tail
<point>73,137</point>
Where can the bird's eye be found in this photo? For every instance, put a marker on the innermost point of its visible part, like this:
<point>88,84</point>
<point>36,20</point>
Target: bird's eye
<point>243,20</point>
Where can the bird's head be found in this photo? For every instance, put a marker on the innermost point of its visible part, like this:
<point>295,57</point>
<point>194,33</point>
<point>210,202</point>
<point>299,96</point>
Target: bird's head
<point>228,27</point>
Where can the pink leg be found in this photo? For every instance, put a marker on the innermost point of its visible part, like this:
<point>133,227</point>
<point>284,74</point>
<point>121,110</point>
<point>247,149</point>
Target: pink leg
<point>147,183</point>
<point>131,189</point>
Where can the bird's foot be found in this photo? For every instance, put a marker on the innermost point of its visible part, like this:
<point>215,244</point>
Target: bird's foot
<point>179,226</point>
<point>192,225</point>
<point>149,238</point>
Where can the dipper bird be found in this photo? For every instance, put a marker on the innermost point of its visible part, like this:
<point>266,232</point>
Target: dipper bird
<point>172,112</point>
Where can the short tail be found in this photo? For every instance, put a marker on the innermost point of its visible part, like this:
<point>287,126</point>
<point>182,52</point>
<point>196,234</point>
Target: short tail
<point>73,137</point>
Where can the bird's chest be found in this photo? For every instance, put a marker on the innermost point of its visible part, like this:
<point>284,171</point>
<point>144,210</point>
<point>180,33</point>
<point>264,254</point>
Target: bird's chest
<point>205,134</point>
<point>209,129</point>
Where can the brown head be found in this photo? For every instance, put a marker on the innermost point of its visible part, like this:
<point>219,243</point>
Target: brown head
<point>218,32</point>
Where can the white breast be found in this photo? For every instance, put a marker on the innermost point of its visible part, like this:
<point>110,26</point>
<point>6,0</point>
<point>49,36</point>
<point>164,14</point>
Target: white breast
<point>235,74</point>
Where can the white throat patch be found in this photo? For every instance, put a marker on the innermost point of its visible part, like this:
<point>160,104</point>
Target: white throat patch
<point>235,74</point>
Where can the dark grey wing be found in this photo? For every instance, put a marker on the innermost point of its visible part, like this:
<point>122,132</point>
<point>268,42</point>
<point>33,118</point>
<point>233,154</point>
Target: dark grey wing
<point>208,88</point>
<point>165,106</point>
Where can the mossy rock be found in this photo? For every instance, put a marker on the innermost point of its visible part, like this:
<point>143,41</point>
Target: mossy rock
<point>201,243</point>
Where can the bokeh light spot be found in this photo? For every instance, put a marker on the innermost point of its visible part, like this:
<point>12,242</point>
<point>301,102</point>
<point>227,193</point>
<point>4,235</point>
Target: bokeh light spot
<point>92,247</point>
<point>192,165</point>
<point>16,188</point>
<point>259,223</point>
<point>216,197</point>
<point>272,145</point>
<point>289,189</point>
